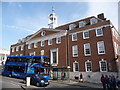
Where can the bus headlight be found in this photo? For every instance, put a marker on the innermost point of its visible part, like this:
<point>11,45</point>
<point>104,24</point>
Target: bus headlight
<point>42,81</point>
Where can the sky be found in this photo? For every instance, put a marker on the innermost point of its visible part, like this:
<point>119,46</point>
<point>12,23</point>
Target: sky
<point>20,19</point>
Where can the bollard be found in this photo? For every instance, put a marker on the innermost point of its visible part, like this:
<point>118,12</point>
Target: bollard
<point>27,81</point>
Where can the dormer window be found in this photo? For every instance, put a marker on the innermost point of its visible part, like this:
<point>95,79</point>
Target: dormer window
<point>93,21</point>
<point>82,24</point>
<point>71,26</point>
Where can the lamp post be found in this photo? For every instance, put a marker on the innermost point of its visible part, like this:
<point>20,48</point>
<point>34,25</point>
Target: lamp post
<point>68,68</point>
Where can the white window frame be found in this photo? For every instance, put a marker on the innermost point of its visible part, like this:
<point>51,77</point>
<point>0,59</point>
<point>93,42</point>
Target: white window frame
<point>32,53</point>
<point>101,66</point>
<point>98,44</point>
<point>75,51</point>
<point>30,46</point>
<point>13,49</point>
<point>84,35</point>
<point>82,24</point>
<point>97,32</point>
<point>22,47</point>
<point>35,44</point>
<point>50,42</point>
<point>71,26</point>
<point>74,35</point>
<point>93,21</point>
<point>57,40</point>
<point>17,48</point>
<point>74,63</point>
<point>42,43</point>
<point>88,48</point>
<point>21,54</point>
<point>42,52</point>
<point>87,67</point>
<point>51,56</point>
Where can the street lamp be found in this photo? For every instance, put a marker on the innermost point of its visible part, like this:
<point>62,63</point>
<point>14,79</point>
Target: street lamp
<point>68,67</point>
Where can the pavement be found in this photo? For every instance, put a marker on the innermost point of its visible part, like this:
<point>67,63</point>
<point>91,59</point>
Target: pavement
<point>77,83</point>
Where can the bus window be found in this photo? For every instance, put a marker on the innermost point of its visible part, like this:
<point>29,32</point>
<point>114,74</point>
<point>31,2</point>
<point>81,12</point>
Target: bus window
<point>36,60</point>
<point>44,71</point>
<point>10,68</point>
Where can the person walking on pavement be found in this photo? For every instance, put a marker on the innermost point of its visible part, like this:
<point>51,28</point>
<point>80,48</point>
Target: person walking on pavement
<point>107,82</point>
<point>117,82</point>
<point>113,80</point>
<point>103,80</point>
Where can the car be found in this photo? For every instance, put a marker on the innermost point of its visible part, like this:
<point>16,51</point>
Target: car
<point>35,79</point>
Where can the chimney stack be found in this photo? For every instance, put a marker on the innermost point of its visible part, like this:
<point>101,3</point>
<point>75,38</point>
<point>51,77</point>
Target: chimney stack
<point>101,16</point>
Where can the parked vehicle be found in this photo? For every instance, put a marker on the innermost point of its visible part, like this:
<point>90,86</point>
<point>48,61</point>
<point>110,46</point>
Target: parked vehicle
<point>37,80</point>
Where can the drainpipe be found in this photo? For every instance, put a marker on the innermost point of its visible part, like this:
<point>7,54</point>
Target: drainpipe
<point>68,56</point>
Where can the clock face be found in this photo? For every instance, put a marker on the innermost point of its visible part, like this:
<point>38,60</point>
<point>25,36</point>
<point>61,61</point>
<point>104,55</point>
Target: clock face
<point>43,33</point>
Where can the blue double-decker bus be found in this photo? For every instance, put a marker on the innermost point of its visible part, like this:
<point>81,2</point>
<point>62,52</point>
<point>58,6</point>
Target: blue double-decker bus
<point>22,66</point>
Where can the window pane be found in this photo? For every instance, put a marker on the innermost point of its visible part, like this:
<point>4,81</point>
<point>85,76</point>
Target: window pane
<point>101,49</point>
<point>75,51</point>
<point>87,49</point>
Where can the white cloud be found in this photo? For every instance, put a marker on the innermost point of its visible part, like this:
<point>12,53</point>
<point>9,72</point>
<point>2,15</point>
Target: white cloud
<point>18,28</point>
<point>110,10</point>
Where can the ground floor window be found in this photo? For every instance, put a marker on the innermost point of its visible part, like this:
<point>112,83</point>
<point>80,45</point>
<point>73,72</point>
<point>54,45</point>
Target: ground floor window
<point>54,57</point>
<point>103,65</point>
<point>88,66</point>
<point>75,66</point>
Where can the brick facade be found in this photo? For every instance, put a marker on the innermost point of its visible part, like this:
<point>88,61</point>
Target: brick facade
<point>65,52</point>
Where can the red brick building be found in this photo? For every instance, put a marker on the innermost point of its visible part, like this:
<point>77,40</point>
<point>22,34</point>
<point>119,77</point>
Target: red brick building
<point>89,46</point>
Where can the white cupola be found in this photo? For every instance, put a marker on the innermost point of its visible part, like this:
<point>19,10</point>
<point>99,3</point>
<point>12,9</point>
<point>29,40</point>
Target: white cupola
<point>52,19</point>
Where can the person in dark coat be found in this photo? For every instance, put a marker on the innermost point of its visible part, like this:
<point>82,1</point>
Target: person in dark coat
<point>113,80</point>
<point>107,82</point>
<point>103,80</point>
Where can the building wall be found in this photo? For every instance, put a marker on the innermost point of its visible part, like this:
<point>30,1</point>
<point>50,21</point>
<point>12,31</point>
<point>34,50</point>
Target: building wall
<point>81,59</point>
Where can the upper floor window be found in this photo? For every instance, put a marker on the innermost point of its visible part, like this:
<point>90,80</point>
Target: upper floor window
<point>42,52</point>
<point>82,24</point>
<point>101,48</point>
<point>29,46</point>
<point>58,40</point>
<point>42,43</point>
<point>103,65</point>
<point>32,54</point>
<point>93,21</point>
<point>75,51</point>
<point>75,66</point>
<point>88,66</point>
<point>50,42</point>
<point>99,32</point>
<point>87,50</point>
<point>22,47</point>
<point>71,26</point>
<point>17,48</point>
<point>74,37</point>
<point>13,49</point>
<point>85,34</point>
<point>36,45</point>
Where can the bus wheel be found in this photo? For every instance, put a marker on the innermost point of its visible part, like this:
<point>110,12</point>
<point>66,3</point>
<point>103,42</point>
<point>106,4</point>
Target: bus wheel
<point>10,75</point>
<point>37,84</point>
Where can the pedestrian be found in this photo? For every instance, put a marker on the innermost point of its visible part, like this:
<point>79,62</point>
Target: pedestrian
<point>103,80</point>
<point>113,80</point>
<point>117,82</point>
<point>107,82</point>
